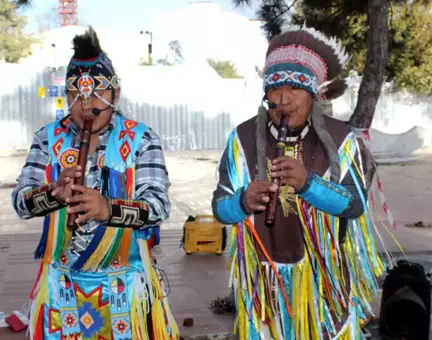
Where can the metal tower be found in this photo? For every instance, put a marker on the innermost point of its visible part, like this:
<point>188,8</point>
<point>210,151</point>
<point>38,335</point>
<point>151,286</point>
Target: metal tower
<point>68,12</point>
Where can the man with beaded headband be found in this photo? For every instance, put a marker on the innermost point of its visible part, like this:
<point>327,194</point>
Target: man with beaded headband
<point>100,280</point>
<point>311,275</point>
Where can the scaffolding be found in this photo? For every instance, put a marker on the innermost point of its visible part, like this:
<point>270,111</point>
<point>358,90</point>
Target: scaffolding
<point>68,12</point>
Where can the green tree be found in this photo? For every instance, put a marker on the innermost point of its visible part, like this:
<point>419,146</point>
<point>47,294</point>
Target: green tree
<point>173,57</point>
<point>410,42</point>
<point>14,44</point>
<point>145,62</point>
<point>175,52</point>
<point>226,69</point>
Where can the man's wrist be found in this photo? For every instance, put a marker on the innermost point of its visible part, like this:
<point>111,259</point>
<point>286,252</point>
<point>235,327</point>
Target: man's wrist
<point>40,201</point>
<point>243,202</point>
<point>307,183</point>
<point>104,218</point>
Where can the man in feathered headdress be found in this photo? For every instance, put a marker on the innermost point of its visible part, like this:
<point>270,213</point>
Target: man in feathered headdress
<point>311,274</point>
<point>99,280</point>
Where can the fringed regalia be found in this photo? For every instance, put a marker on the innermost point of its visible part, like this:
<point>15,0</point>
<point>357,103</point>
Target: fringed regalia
<point>99,281</point>
<point>295,301</point>
<point>313,275</point>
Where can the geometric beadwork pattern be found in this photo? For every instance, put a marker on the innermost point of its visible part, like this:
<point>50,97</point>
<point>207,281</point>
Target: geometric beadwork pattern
<point>66,299</point>
<point>57,146</point>
<point>292,77</point>
<point>129,125</point>
<point>124,213</point>
<point>294,54</point>
<point>105,83</point>
<point>54,321</point>
<point>119,305</point>
<point>125,150</point>
<point>39,201</point>
<point>94,314</point>
<point>86,84</point>
<point>58,131</point>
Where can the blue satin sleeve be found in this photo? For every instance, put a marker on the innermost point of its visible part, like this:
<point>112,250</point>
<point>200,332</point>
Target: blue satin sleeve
<point>326,196</point>
<point>227,203</point>
<point>230,209</point>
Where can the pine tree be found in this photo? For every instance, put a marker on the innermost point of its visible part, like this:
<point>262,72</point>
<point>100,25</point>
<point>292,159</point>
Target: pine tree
<point>14,44</point>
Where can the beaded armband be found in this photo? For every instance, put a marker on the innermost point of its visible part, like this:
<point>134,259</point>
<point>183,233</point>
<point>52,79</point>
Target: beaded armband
<point>40,202</point>
<point>326,196</point>
<point>127,213</point>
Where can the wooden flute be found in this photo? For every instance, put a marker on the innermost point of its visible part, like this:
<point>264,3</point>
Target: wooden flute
<point>280,151</point>
<point>82,161</point>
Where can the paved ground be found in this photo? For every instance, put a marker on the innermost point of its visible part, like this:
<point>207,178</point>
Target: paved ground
<point>197,279</point>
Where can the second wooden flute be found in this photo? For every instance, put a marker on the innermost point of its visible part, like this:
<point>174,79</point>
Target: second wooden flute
<point>280,151</point>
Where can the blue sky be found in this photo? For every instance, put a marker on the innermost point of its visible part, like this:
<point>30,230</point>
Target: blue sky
<point>121,15</point>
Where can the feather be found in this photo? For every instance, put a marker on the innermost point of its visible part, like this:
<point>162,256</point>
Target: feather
<point>330,148</point>
<point>261,129</point>
<point>333,89</point>
<point>329,41</point>
<point>87,45</point>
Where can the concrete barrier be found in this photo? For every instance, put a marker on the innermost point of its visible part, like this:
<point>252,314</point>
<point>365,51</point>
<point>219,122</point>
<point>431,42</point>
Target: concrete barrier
<point>403,144</point>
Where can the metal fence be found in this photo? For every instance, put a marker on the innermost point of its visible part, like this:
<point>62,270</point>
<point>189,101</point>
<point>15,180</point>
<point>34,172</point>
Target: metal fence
<point>190,108</point>
<point>182,125</point>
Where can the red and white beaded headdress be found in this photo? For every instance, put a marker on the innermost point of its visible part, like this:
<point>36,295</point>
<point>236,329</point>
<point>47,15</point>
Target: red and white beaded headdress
<point>305,58</point>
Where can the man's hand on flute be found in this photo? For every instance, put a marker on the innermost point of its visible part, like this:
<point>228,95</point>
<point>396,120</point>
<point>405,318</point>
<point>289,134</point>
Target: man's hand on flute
<point>257,195</point>
<point>291,172</point>
<point>92,203</point>
<point>64,183</point>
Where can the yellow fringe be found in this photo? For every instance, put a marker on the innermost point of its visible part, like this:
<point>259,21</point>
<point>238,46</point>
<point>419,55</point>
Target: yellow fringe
<point>101,251</point>
<point>158,321</point>
<point>160,308</point>
<point>138,320</point>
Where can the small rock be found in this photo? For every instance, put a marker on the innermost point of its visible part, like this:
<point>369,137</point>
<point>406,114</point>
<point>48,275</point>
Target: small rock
<point>418,224</point>
<point>223,305</point>
<point>188,322</point>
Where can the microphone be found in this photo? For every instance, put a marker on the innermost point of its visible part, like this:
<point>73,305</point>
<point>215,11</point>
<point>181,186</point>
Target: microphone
<point>97,111</point>
<point>272,105</point>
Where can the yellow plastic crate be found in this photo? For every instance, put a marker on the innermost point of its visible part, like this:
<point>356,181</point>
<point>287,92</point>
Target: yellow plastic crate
<point>204,234</point>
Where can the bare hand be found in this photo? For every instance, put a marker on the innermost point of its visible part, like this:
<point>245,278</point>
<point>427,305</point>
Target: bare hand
<point>92,203</point>
<point>257,195</point>
<point>290,171</point>
<point>64,182</point>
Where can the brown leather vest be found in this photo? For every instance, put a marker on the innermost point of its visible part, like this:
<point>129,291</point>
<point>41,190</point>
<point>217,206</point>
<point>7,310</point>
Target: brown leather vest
<point>284,242</point>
